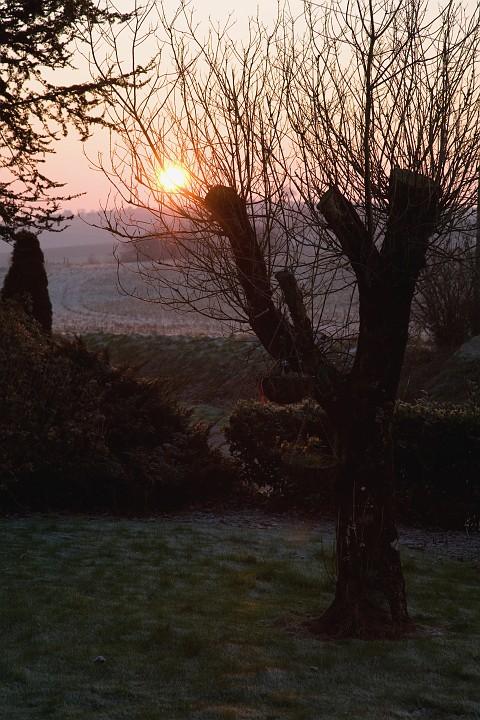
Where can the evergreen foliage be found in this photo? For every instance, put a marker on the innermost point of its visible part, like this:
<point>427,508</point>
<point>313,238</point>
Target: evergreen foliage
<point>437,459</point>
<point>258,434</point>
<point>26,280</point>
<point>35,37</point>
<point>436,449</point>
<point>77,434</point>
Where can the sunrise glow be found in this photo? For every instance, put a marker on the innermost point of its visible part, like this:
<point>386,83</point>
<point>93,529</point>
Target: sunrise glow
<point>173,178</point>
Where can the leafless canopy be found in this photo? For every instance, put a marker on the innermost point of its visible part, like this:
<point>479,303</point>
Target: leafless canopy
<point>332,147</point>
<point>337,97</point>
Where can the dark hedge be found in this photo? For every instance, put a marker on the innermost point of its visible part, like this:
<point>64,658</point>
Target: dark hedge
<point>437,457</point>
<point>77,434</point>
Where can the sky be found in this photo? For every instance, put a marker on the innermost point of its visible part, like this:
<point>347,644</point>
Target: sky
<point>72,163</point>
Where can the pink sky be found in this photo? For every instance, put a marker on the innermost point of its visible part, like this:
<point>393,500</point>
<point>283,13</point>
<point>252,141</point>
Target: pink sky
<point>71,164</point>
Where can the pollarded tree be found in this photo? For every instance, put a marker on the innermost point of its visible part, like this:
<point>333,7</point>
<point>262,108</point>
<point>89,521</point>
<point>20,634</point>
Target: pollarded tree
<point>37,37</point>
<point>323,154</point>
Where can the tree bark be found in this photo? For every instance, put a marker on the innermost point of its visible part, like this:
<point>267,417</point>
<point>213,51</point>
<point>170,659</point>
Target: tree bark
<point>370,598</point>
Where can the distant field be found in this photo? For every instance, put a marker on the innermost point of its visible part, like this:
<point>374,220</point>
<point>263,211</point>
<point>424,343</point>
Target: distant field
<point>87,301</point>
<point>87,297</point>
<point>202,370</point>
<point>207,363</point>
<point>83,287</point>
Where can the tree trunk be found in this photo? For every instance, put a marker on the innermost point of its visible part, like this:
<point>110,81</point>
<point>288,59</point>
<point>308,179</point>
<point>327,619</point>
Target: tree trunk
<point>370,598</point>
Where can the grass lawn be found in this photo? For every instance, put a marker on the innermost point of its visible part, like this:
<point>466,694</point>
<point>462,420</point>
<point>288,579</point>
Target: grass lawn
<point>188,619</point>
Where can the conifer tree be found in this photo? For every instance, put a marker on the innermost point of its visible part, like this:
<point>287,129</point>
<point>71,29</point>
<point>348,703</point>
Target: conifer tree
<point>26,280</point>
<point>37,37</point>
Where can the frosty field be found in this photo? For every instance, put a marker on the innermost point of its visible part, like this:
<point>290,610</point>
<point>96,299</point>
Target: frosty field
<point>87,297</point>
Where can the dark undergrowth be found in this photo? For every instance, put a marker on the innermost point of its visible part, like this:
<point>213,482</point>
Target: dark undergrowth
<point>78,434</point>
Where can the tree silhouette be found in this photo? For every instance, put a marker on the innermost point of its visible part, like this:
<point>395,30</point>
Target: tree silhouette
<point>326,158</point>
<point>26,280</point>
<point>35,38</point>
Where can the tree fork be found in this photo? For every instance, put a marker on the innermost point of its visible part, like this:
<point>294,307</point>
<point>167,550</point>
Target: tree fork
<point>370,598</point>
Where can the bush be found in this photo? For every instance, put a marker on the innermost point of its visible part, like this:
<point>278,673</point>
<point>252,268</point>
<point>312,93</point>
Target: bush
<point>437,456</point>
<point>437,460</point>
<point>78,434</point>
<point>262,440</point>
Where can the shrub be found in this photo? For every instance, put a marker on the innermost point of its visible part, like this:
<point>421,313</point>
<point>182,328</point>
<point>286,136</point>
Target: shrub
<point>78,434</point>
<point>437,459</point>
<point>437,456</point>
<point>264,438</point>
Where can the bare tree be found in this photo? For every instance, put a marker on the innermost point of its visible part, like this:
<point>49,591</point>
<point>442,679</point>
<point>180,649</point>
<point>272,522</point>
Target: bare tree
<point>325,153</point>
<point>446,302</point>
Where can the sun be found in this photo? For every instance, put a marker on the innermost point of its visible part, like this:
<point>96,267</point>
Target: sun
<point>173,178</point>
